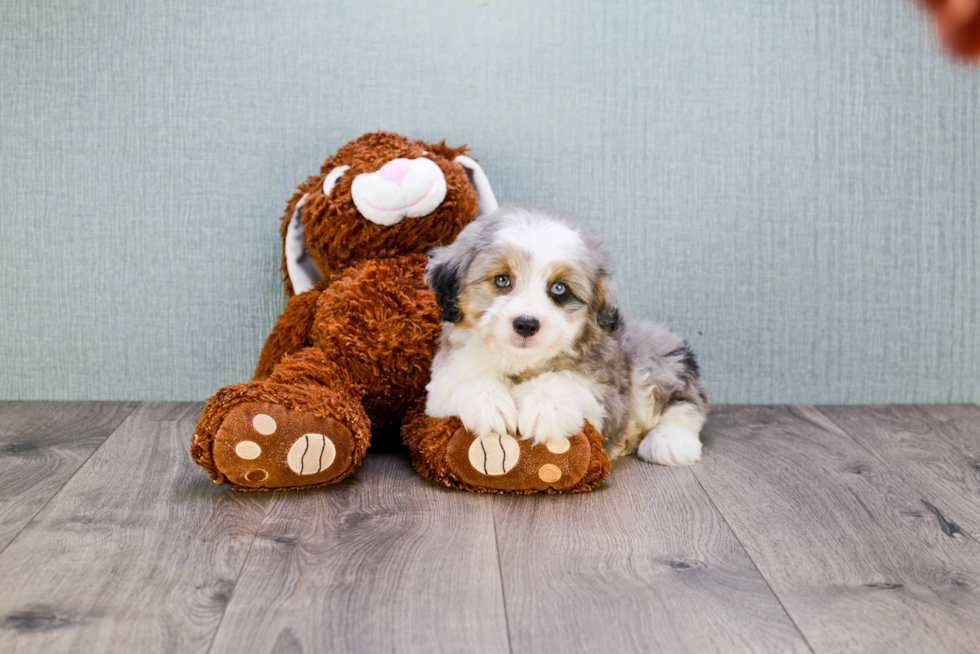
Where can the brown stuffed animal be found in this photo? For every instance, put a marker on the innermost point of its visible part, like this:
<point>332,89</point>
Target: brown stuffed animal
<point>350,354</point>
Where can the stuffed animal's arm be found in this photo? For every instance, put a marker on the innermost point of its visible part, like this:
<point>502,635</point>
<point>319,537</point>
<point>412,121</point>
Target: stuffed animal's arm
<point>291,332</point>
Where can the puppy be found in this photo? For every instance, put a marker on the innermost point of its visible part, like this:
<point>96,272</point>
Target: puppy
<point>532,345</point>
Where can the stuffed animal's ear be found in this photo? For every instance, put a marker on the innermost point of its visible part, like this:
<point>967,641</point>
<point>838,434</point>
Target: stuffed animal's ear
<point>488,201</point>
<point>302,270</point>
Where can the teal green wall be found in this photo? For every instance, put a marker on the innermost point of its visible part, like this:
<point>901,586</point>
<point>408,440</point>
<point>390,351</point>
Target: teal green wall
<point>795,186</point>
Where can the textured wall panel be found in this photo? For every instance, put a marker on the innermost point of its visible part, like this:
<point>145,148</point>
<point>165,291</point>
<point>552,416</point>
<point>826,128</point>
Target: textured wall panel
<point>795,186</point>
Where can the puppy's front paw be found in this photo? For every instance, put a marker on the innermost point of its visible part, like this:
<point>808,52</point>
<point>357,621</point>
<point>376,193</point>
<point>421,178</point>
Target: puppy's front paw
<point>542,415</point>
<point>670,445</point>
<point>488,409</point>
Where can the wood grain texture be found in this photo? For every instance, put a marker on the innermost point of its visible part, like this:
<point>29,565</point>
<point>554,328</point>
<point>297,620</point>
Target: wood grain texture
<point>42,444</point>
<point>792,527</point>
<point>847,545</point>
<point>139,552</point>
<point>383,562</point>
<point>643,564</point>
<point>935,449</point>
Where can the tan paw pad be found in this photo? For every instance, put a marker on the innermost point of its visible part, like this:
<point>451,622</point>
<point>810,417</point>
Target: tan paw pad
<point>558,445</point>
<point>495,454</point>
<point>264,424</point>
<point>549,473</point>
<point>248,450</point>
<point>310,454</point>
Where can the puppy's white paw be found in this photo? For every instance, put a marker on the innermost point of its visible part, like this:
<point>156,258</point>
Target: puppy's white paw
<point>544,414</point>
<point>670,445</point>
<point>488,409</point>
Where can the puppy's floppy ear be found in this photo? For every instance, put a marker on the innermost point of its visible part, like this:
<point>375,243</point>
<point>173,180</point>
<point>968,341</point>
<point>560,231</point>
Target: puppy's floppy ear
<point>607,316</point>
<point>445,272</point>
<point>445,278</point>
<point>448,266</point>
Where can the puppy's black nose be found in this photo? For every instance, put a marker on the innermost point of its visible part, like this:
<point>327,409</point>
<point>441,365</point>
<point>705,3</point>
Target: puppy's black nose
<point>526,326</point>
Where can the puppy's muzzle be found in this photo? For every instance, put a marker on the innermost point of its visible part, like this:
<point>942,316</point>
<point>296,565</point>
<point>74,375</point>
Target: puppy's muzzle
<point>526,326</point>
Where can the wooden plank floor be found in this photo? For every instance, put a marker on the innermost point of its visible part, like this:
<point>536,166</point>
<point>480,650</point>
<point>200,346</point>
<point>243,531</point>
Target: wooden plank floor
<point>828,529</point>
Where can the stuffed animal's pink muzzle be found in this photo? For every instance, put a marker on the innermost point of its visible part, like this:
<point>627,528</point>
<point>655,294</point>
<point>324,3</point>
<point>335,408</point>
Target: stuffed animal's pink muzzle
<point>402,188</point>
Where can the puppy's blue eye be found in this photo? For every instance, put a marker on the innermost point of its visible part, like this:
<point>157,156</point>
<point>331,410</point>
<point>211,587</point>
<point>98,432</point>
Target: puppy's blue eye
<point>558,288</point>
<point>501,281</point>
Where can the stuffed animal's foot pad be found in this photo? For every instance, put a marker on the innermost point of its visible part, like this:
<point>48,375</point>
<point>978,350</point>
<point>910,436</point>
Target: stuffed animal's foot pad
<point>265,445</point>
<point>494,455</point>
<point>504,463</point>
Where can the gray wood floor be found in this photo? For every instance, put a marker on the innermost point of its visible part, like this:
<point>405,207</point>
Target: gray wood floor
<point>825,529</point>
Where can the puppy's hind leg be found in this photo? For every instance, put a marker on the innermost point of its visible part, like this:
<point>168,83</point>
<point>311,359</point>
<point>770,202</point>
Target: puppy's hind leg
<point>669,403</point>
<point>675,441</point>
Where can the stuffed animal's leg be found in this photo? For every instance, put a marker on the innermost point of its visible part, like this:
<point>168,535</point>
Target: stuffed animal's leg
<point>301,427</point>
<point>444,451</point>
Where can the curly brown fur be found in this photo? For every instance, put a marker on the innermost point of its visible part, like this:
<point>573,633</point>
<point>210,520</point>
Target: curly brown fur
<point>291,332</point>
<point>347,238</point>
<point>358,346</point>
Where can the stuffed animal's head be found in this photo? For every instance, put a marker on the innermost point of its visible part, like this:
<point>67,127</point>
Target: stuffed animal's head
<point>379,196</point>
